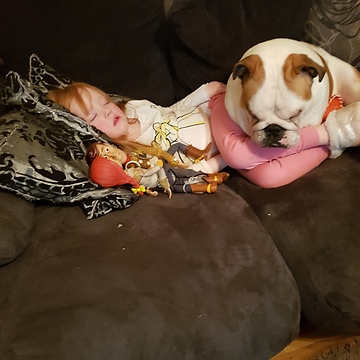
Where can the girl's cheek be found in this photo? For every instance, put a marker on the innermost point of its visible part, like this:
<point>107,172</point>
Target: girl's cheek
<point>98,125</point>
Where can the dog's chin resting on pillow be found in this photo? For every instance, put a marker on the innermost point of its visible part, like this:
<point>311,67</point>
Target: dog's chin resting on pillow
<point>281,86</point>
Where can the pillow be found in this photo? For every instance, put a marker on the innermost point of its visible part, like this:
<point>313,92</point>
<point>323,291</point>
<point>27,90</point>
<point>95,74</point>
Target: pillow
<point>335,27</point>
<point>45,77</point>
<point>43,152</point>
<point>22,94</point>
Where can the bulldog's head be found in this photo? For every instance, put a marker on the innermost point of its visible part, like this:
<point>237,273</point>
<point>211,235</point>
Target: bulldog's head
<point>270,96</point>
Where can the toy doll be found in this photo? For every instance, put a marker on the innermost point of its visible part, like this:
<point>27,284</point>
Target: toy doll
<point>144,165</point>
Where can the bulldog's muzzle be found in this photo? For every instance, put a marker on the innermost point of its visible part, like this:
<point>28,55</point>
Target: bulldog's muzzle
<point>273,134</point>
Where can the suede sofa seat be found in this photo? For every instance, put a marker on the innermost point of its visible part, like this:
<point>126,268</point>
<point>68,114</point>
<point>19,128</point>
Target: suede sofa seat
<point>88,273</point>
<point>314,224</point>
<point>164,279</point>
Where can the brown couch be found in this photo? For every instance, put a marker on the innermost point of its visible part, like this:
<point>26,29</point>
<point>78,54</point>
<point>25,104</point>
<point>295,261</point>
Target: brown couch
<point>88,274</point>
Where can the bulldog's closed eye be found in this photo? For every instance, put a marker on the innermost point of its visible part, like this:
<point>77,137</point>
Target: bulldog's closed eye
<point>295,116</point>
<point>254,118</point>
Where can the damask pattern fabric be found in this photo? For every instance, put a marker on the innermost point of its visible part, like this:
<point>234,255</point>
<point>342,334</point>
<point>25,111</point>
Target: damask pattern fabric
<point>45,77</point>
<point>43,149</point>
<point>335,26</point>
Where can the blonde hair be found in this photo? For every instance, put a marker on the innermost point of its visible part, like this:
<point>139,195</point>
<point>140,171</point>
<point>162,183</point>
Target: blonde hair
<point>74,92</point>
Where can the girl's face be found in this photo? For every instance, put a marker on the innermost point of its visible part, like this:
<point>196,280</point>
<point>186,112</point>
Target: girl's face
<point>102,114</point>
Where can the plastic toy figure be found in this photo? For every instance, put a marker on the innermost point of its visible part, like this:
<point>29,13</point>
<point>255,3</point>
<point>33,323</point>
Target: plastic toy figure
<point>149,167</point>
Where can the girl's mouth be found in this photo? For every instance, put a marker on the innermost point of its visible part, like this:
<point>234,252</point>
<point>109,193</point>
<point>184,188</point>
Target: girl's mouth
<point>116,120</point>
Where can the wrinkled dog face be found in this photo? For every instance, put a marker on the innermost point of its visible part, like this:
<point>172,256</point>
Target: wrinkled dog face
<point>268,99</point>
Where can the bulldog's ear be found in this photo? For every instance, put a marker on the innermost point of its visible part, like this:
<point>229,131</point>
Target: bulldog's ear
<point>302,63</point>
<point>246,67</point>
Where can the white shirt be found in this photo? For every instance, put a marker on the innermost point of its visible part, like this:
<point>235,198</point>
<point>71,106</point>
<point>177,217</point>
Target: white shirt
<point>186,122</point>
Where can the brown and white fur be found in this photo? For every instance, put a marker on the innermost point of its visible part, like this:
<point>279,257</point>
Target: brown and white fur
<point>282,85</point>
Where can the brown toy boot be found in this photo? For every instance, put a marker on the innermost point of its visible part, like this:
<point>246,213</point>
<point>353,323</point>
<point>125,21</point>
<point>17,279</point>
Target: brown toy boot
<point>217,178</point>
<point>204,188</point>
<point>197,154</point>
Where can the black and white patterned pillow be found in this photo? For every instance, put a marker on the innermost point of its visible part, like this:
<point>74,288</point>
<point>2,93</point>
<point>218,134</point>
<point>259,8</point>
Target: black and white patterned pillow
<point>43,152</point>
<point>44,77</point>
<point>335,26</point>
<point>22,94</point>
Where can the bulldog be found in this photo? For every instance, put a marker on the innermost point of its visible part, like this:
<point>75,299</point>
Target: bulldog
<point>282,85</point>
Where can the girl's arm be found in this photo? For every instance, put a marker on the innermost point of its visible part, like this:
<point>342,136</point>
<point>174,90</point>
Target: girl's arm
<point>285,170</point>
<point>200,95</point>
<point>239,151</point>
<point>266,167</point>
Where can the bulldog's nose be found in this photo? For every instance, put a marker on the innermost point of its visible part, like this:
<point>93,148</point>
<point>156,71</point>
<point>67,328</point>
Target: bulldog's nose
<point>274,131</point>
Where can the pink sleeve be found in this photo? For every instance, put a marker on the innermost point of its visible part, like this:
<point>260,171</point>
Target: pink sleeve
<point>285,170</point>
<point>236,147</point>
<point>265,167</point>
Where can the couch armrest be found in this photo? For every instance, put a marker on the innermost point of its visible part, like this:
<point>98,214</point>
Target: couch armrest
<point>16,223</point>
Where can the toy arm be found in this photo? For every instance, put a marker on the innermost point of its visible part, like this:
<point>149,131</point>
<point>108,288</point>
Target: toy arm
<point>150,172</point>
<point>212,165</point>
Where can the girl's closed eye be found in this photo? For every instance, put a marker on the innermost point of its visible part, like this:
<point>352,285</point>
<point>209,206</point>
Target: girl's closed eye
<point>93,118</point>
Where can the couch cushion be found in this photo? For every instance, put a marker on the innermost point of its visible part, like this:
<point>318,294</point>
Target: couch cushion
<point>206,38</point>
<point>314,223</point>
<point>193,277</point>
<point>120,49</point>
<point>16,224</point>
